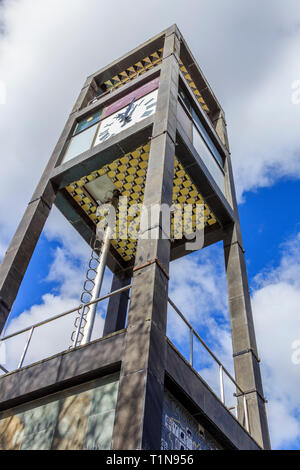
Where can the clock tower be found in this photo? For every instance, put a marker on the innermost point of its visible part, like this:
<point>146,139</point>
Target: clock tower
<point>146,132</point>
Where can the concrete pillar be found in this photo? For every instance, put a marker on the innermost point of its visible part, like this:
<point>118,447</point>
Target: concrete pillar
<point>246,362</point>
<point>117,307</point>
<point>219,123</point>
<point>141,390</point>
<point>19,253</point>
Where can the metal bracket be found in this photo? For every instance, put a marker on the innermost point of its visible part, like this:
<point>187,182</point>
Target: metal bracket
<point>235,243</point>
<point>149,263</point>
<point>175,57</point>
<point>246,351</point>
<point>162,133</point>
<point>42,199</point>
<point>247,392</point>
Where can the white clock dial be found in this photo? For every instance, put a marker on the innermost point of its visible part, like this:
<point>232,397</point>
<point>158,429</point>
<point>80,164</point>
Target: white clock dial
<point>135,112</point>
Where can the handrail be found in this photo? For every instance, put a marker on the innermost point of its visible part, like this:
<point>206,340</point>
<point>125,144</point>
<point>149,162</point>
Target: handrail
<point>3,369</point>
<point>205,345</point>
<point>50,319</point>
<point>222,369</point>
<point>31,328</point>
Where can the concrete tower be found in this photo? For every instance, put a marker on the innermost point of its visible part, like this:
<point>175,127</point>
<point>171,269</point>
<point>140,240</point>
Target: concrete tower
<point>147,129</point>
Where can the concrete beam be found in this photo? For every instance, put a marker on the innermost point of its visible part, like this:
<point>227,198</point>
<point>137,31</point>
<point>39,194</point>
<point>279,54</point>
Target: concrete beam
<point>63,370</point>
<point>102,154</point>
<point>212,234</point>
<point>204,405</point>
<point>129,59</point>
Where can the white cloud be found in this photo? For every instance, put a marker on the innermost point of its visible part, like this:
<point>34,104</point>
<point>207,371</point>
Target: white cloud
<point>275,304</point>
<point>48,48</point>
<point>249,52</point>
<point>55,336</point>
<point>198,288</point>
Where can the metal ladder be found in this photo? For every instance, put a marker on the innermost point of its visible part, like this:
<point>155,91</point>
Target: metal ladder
<point>87,295</point>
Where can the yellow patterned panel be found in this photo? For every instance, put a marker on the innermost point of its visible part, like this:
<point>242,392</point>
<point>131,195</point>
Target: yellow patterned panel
<point>128,174</point>
<point>137,69</point>
<point>192,85</point>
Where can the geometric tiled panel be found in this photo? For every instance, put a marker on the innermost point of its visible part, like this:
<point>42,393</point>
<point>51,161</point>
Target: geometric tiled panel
<point>133,71</point>
<point>193,87</point>
<point>128,174</point>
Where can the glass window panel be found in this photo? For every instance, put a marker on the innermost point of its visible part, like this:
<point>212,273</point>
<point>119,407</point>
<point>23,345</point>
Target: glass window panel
<point>88,122</point>
<point>80,143</point>
<point>185,99</point>
<point>184,120</point>
<point>210,143</point>
<point>208,159</point>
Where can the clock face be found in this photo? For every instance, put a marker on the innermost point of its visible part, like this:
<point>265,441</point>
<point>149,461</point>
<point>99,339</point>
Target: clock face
<point>135,112</point>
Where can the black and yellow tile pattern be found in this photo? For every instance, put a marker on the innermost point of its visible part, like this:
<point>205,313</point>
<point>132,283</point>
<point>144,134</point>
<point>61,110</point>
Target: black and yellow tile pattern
<point>136,69</point>
<point>193,87</point>
<point>128,174</point>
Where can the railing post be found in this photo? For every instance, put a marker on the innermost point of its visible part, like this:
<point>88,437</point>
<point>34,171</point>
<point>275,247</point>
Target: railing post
<point>3,369</point>
<point>81,318</point>
<point>191,347</point>
<point>222,384</point>
<point>26,347</point>
<point>246,413</point>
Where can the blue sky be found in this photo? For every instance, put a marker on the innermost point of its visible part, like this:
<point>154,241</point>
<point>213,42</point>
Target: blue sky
<point>269,217</point>
<point>251,62</point>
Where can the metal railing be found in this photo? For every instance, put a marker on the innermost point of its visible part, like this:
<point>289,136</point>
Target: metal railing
<point>30,329</point>
<point>222,369</point>
<point>192,332</point>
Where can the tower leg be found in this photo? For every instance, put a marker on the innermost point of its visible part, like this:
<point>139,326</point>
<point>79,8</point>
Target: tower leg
<point>141,390</point>
<point>22,246</point>
<point>117,307</point>
<point>246,362</point>
<point>18,255</point>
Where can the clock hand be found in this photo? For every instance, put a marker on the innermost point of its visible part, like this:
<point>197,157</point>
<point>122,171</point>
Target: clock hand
<point>124,116</point>
<point>129,111</point>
